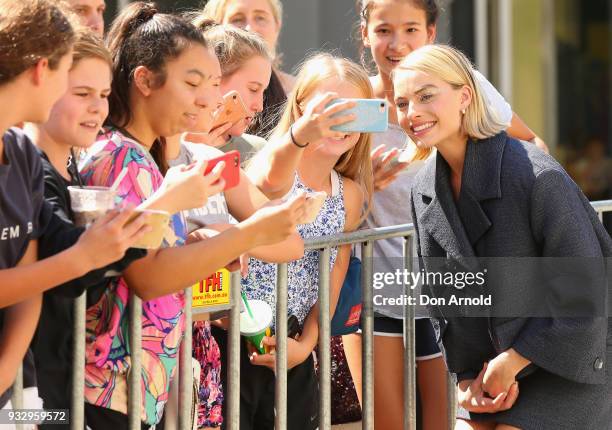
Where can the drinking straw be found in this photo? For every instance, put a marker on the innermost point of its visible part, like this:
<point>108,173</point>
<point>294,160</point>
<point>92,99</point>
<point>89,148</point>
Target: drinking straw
<point>119,179</point>
<point>246,305</point>
<point>76,168</point>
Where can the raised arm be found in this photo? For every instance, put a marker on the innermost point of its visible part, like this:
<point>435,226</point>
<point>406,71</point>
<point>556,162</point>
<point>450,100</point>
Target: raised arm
<point>168,270</point>
<point>272,170</point>
<point>103,243</point>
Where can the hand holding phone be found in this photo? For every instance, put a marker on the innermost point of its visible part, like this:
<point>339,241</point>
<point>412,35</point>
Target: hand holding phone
<point>231,171</point>
<point>371,116</point>
<point>317,120</point>
<point>232,110</point>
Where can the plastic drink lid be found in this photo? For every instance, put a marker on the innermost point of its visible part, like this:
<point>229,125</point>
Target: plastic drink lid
<point>262,318</point>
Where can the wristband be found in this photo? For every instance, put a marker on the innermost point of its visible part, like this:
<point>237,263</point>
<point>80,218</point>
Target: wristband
<point>294,141</point>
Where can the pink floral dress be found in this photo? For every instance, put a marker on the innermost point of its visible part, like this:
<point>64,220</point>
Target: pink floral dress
<point>206,351</point>
<point>107,343</point>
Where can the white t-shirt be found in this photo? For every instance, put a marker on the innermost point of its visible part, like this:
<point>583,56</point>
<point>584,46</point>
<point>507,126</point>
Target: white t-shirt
<point>496,103</point>
<point>215,211</point>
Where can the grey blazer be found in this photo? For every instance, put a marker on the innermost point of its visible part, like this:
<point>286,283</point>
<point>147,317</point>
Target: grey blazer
<point>515,201</point>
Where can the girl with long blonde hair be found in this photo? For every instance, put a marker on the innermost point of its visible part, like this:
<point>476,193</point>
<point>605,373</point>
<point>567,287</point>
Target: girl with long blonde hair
<point>305,154</point>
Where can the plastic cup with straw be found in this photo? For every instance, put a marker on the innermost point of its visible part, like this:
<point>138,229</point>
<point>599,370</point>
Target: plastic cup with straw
<point>255,322</point>
<point>90,203</point>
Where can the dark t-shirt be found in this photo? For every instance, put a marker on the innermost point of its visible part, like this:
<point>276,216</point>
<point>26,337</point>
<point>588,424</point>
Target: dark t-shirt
<point>52,343</point>
<point>21,199</point>
<point>22,209</point>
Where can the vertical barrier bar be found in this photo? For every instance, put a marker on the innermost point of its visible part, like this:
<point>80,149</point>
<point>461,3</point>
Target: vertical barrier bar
<point>551,68</point>
<point>368,337</point>
<point>280,393</point>
<point>481,35</point>
<point>17,396</point>
<point>185,369</point>
<point>233,368</point>
<point>451,398</point>
<point>324,342</point>
<point>134,375</point>
<point>504,24</point>
<point>409,345</point>
<point>77,408</point>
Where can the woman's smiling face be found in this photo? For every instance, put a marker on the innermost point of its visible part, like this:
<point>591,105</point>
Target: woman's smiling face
<point>394,29</point>
<point>428,108</point>
<point>78,115</point>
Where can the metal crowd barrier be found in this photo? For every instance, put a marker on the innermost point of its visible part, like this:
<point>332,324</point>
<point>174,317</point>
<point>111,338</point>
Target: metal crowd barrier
<point>365,239</point>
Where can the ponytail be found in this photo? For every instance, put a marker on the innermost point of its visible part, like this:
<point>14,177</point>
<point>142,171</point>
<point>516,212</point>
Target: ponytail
<point>142,36</point>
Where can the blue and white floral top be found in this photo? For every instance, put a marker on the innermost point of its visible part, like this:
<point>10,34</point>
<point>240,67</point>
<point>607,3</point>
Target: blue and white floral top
<point>303,274</point>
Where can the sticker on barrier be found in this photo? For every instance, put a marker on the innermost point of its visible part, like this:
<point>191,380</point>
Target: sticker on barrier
<point>212,292</point>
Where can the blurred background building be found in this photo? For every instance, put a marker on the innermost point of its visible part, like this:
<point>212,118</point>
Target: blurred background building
<point>549,58</point>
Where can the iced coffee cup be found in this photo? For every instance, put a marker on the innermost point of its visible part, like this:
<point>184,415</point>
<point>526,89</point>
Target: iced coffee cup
<point>255,328</point>
<point>90,203</point>
<point>159,222</point>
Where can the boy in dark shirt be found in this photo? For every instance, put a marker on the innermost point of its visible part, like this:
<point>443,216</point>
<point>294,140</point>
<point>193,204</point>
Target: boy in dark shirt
<point>37,36</point>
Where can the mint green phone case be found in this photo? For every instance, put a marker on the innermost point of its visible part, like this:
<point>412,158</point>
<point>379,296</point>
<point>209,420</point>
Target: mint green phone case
<point>372,116</point>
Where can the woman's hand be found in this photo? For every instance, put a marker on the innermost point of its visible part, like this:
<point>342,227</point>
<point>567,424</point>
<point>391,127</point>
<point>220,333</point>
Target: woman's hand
<point>276,220</point>
<point>501,372</point>
<point>215,137</point>
<point>472,396</point>
<point>316,121</point>
<point>297,353</point>
<point>187,187</point>
<point>384,169</point>
<point>107,239</point>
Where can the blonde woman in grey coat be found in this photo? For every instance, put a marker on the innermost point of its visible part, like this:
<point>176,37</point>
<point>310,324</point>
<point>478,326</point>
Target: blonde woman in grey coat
<point>539,357</point>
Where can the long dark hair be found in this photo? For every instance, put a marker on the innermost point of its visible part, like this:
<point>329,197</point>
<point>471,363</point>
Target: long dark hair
<point>141,36</point>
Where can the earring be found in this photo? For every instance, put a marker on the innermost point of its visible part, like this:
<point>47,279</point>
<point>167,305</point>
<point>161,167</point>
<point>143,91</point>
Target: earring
<point>463,111</point>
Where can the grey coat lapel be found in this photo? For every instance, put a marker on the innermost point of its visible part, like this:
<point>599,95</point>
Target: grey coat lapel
<point>480,182</point>
<point>442,217</point>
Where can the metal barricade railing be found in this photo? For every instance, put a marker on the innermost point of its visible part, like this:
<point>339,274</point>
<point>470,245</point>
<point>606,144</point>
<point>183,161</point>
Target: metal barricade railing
<point>364,238</point>
<point>324,244</point>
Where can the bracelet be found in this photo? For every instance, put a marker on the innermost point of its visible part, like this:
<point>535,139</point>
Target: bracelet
<point>294,141</point>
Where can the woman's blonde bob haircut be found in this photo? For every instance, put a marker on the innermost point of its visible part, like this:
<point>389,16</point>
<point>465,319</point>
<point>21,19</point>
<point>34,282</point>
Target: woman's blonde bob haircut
<point>215,9</point>
<point>453,67</point>
<point>355,163</point>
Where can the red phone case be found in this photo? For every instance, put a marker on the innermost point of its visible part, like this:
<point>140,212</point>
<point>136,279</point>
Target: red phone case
<point>231,171</point>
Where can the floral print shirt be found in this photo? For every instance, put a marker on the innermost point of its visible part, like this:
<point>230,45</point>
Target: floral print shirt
<point>303,274</point>
<point>107,340</point>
